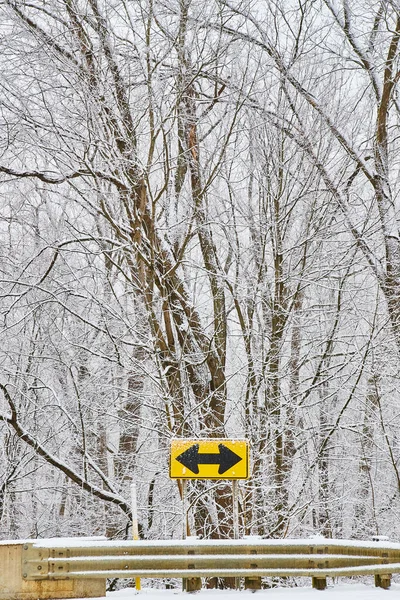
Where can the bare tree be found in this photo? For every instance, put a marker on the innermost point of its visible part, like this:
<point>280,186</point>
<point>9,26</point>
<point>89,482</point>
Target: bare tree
<point>199,238</point>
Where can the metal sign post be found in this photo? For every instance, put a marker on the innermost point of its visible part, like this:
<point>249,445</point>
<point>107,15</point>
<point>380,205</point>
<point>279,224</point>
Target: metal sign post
<point>184,509</point>
<point>189,584</point>
<point>211,458</point>
<point>184,522</point>
<point>135,526</point>
<point>235,500</point>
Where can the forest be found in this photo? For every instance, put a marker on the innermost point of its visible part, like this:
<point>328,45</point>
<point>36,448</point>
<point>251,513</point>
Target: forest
<point>199,238</point>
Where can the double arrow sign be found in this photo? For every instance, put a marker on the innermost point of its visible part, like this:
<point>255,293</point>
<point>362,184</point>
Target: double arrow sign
<point>226,459</point>
<point>209,459</point>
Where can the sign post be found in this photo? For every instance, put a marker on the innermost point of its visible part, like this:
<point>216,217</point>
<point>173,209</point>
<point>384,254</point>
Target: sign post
<point>235,500</point>
<point>184,509</point>
<point>218,459</point>
<point>135,526</point>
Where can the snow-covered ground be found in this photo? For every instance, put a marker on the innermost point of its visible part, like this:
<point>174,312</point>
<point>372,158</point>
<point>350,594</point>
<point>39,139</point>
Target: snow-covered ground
<point>356,591</point>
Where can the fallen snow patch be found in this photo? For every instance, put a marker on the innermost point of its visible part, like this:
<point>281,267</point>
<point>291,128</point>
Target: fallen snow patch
<point>356,591</point>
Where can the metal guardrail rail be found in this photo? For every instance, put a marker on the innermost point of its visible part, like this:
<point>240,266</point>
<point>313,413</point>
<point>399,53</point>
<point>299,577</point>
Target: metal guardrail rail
<point>250,558</point>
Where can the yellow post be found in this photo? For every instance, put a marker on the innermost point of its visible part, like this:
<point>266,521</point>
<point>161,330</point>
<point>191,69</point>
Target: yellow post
<point>135,528</point>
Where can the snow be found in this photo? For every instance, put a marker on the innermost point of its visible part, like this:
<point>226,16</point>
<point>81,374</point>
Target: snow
<point>319,541</point>
<point>356,591</point>
<point>76,542</point>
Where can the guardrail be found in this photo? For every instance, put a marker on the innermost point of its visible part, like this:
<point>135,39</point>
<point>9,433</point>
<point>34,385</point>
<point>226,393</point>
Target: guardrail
<point>52,560</point>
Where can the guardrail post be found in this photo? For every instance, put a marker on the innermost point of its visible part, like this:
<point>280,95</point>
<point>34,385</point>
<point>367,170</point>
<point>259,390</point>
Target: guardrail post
<point>383,580</point>
<point>319,583</point>
<point>252,583</point>
<point>192,584</point>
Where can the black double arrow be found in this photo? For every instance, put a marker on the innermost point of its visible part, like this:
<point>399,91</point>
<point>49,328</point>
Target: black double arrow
<point>191,459</point>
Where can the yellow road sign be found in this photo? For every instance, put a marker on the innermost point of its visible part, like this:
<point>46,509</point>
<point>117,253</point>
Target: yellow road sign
<point>209,459</point>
